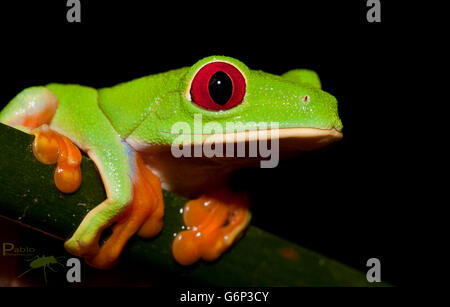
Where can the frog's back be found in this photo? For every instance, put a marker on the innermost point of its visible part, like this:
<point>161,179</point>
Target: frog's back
<point>128,104</point>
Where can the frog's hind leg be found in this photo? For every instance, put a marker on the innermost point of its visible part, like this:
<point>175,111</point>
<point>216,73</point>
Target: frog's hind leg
<point>153,224</point>
<point>214,221</point>
<point>30,109</point>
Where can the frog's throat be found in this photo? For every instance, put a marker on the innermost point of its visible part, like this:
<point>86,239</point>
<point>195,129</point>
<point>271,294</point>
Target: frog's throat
<point>301,138</point>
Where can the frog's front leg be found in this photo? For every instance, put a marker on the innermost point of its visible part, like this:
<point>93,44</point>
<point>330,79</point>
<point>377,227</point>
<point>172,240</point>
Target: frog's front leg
<point>214,221</point>
<point>135,207</point>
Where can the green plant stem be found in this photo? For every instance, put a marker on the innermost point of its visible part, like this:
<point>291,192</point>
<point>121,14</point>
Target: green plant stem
<point>29,196</point>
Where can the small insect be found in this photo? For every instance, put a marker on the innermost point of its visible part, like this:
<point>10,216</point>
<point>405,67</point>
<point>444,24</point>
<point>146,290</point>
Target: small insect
<point>43,261</point>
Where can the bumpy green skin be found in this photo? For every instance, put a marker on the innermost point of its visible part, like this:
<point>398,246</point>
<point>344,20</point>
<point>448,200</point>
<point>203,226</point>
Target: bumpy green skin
<point>102,122</point>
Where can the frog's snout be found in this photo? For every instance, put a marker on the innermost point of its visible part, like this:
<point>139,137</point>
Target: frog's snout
<point>318,109</point>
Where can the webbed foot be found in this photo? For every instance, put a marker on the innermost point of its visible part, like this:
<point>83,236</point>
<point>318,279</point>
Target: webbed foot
<point>214,221</point>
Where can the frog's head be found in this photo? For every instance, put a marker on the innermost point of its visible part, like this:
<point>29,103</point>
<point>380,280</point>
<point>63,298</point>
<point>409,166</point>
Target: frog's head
<point>222,96</point>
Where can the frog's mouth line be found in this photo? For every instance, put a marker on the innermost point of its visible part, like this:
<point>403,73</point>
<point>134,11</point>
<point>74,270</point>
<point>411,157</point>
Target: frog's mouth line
<point>293,138</point>
<point>303,133</point>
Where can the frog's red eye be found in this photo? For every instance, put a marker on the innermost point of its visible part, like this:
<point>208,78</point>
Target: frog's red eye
<point>218,86</point>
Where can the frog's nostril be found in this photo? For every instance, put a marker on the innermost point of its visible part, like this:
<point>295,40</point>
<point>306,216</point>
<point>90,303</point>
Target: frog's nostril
<point>305,99</point>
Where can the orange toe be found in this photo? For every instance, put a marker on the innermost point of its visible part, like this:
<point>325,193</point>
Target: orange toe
<point>50,147</point>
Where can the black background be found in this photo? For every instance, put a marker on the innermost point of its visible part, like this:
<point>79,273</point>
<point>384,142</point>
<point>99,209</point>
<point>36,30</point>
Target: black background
<point>347,202</point>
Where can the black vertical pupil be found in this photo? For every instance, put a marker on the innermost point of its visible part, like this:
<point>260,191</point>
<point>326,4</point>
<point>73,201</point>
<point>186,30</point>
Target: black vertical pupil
<point>220,87</point>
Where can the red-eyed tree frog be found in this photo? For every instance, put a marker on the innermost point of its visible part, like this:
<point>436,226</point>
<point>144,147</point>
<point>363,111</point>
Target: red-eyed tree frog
<point>128,131</point>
